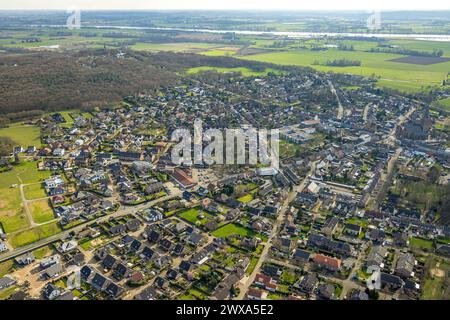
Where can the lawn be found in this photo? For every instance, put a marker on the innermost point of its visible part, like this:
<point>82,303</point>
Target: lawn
<point>411,77</point>
<point>289,149</point>
<point>421,243</point>
<point>23,135</point>
<point>6,293</point>
<point>288,277</point>
<point>192,216</point>
<point>246,198</point>
<point>251,265</point>
<point>41,211</point>
<point>6,267</point>
<point>42,252</point>
<point>34,191</point>
<point>233,229</point>
<point>357,221</point>
<point>35,234</point>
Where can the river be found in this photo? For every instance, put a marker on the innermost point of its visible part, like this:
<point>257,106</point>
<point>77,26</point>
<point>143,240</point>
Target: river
<point>289,34</point>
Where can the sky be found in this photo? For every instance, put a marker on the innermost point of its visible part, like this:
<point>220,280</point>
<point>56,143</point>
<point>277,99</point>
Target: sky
<point>227,4</point>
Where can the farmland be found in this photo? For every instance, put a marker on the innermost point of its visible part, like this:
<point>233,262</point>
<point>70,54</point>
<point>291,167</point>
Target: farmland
<point>175,47</point>
<point>23,135</point>
<point>244,71</point>
<point>412,77</point>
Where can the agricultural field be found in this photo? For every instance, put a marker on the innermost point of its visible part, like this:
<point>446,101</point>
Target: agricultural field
<point>41,211</point>
<point>23,135</point>
<point>411,77</point>
<point>222,51</point>
<point>246,72</point>
<point>175,46</point>
<point>49,41</point>
<point>34,234</point>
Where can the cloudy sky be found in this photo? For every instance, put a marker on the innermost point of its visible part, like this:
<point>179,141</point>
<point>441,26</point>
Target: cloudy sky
<point>229,4</point>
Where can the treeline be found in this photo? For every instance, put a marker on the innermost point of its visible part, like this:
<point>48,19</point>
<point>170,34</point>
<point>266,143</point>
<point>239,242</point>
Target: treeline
<point>346,47</point>
<point>20,116</point>
<point>6,146</point>
<point>339,63</point>
<point>408,52</point>
<point>55,81</point>
<point>31,83</point>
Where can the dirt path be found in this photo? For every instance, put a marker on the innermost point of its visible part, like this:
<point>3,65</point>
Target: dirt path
<point>340,114</point>
<point>25,205</point>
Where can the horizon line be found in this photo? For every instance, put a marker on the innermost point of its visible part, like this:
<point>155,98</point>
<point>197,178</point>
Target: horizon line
<point>233,9</point>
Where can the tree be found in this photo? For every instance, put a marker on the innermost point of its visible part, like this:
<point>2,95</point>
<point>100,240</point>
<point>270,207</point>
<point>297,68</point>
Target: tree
<point>373,294</point>
<point>433,174</point>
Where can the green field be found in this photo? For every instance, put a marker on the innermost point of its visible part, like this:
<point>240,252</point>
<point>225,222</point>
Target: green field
<point>443,104</point>
<point>64,42</point>
<point>246,198</point>
<point>6,267</point>
<point>23,135</point>
<point>176,46</point>
<point>289,149</point>
<point>42,252</point>
<point>246,72</point>
<point>218,52</point>
<point>12,215</point>
<point>41,211</point>
<point>6,293</point>
<point>192,216</point>
<point>34,191</point>
<point>233,229</point>
<point>35,234</point>
<point>421,243</point>
<point>405,76</point>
